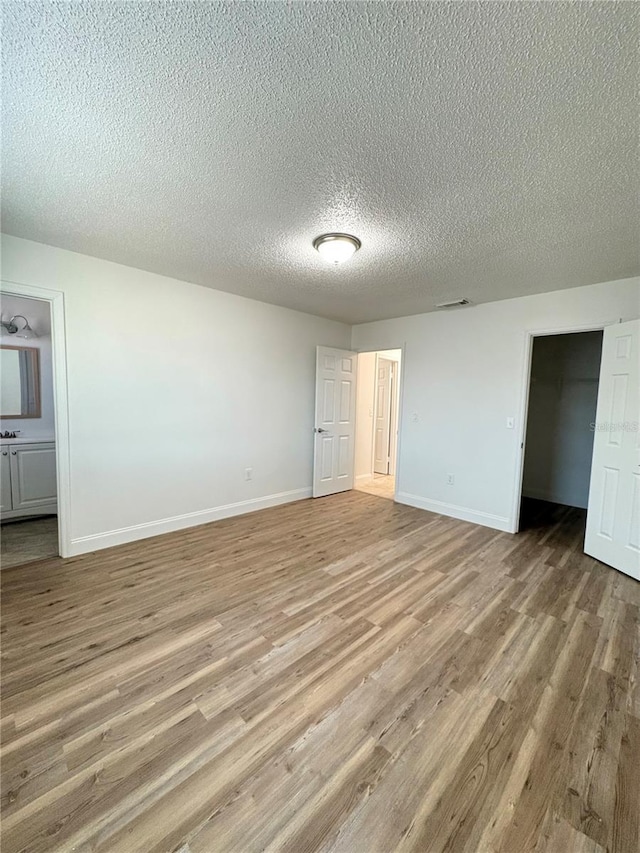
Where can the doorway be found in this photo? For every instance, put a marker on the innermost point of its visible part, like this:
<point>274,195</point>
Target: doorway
<point>563,396</point>
<point>376,435</point>
<point>29,520</point>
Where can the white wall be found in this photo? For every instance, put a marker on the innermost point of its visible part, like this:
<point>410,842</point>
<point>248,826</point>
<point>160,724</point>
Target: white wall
<point>38,315</point>
<point>562,408</point>
<point>364,415</point>
<point>464,375</point>
<point>175,389</point>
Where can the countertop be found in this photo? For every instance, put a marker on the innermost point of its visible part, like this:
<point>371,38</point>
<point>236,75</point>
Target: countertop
<point>23,440</point>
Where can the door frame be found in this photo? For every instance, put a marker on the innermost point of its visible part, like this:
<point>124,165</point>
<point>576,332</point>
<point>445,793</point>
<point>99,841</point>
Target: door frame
<point>523,407</point>
<point>55,298</point>
<point>400,398</point>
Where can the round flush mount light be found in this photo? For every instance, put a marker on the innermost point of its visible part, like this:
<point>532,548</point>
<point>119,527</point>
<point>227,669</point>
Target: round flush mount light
<point>336,248</point>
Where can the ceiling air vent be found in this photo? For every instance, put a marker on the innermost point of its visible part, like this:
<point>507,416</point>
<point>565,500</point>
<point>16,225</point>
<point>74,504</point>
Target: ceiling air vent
<point>454,303</point>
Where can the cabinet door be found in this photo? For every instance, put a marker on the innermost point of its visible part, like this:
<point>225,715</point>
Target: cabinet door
<point>33,475</point>
<point>5,480</point>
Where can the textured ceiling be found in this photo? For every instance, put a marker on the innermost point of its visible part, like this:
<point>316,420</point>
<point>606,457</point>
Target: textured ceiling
<point>485,150</point>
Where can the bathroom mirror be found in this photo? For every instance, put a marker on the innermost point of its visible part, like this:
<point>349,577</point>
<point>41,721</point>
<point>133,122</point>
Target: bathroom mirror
<point>19,382</point>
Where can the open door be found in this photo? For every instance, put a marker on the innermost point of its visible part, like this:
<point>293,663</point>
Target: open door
<point>382,427</point>
<point>613,514</point>
<point>335,421</point>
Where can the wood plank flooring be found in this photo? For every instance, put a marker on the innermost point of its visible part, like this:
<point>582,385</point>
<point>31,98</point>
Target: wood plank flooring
<point>345,675</point>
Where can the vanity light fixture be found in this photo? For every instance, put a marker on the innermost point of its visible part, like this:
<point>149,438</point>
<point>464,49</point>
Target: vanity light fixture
<point>336,248</point>
<point>11,328</point>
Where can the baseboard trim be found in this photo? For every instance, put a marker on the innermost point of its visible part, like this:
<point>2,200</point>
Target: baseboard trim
<point>98,541</point>
<point>541,495</point>
<point>486,519</point>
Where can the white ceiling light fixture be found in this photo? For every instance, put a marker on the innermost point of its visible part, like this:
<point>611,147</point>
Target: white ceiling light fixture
<point>336,248</point>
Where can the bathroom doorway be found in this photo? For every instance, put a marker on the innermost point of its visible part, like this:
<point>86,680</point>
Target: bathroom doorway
<point>30,525</point>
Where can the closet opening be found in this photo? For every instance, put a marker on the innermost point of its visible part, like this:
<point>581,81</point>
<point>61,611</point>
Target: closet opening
<point>563,395</point>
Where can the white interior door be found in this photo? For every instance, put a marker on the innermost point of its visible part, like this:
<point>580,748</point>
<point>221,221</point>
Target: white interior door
<point>382,420</point>
<point>613,514</point>
<point>395,408</point>
<point>335,421</point>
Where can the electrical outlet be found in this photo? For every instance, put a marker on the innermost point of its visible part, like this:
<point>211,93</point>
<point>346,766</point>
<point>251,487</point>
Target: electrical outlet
<point>248,473</point>
<point>511,422</point>
<point>450,479</point>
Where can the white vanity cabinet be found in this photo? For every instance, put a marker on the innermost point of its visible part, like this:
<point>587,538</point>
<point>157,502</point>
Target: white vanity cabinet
<point>5,481</point>
<point>28,479</point>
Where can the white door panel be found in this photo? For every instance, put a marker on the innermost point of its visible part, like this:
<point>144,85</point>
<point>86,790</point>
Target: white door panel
<point>382,426</point>
<point>613,515</point>
<point>335,421</point>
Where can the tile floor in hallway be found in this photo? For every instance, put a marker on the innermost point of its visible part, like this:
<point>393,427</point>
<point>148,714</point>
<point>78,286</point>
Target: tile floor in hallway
<point>28,540</point>
<point>382,485</point>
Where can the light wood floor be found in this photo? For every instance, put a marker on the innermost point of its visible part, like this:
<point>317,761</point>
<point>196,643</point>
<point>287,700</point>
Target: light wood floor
<point>342,675</point>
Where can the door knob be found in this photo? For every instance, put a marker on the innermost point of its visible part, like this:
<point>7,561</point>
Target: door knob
<point>320,429</point>
<point>4,453</point>
<point>13,453</point>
